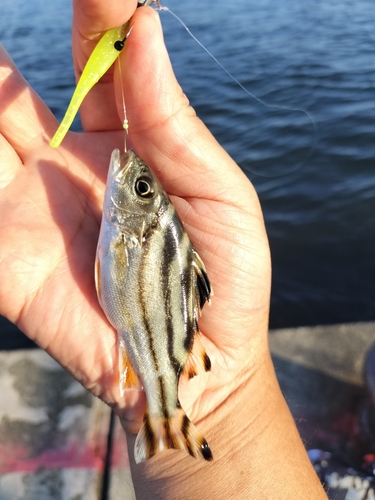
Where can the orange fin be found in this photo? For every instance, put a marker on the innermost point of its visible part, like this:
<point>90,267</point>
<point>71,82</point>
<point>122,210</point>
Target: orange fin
<point>178,433</point>
<point>198,359</point>
<point>97,276</point>
<point>129,378</point>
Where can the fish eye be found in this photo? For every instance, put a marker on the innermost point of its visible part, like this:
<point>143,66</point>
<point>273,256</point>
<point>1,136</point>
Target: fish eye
<point>144,187</point>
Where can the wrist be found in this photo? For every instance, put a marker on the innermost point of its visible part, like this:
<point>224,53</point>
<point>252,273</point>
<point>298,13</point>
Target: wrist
<point>256,447</point>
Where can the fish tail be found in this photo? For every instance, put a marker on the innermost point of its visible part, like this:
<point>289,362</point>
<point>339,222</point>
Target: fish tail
<point>178,433</point>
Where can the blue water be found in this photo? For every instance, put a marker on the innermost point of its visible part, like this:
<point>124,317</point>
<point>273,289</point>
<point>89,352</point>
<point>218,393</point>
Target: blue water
<point>319,56</point>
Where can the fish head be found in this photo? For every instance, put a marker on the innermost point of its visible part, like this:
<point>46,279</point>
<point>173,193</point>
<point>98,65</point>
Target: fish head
<point>134,199</point>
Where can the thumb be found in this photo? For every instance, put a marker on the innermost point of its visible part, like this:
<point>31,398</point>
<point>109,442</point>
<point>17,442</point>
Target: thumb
<point>164,129</point>
<point>152,91</point>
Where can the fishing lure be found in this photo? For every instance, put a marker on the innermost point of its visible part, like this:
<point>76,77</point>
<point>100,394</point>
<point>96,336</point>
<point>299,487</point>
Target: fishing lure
<point>101,59</point>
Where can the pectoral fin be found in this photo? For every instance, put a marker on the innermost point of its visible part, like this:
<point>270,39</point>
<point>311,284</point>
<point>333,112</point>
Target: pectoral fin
<point>97,276</point>
<point>129,378</point>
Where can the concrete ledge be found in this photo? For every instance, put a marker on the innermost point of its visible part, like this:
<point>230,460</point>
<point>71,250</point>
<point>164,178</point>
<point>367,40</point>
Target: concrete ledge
<point>54,434</point>
<point>338,351</point>
<point>321,373</point>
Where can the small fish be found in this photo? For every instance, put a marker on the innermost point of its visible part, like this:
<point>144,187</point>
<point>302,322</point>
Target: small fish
<point>152,285</point>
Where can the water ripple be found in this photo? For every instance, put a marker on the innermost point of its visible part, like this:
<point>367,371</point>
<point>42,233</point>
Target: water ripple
<point>314,55</point>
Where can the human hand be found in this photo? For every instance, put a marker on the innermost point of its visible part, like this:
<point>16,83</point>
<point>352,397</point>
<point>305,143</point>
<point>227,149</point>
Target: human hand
<point>50,216</point>
<point>50,212</point>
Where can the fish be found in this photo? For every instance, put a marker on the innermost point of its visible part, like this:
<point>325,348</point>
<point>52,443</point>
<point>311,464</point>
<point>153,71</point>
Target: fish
<point>152,285</point>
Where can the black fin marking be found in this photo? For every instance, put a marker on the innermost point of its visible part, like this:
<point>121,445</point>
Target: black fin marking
<point>202,292</point>
<point>206,451</point>
<point>206,282</point>
<point>203,284</point>
<point>197,359</point>
<point>206,362</point>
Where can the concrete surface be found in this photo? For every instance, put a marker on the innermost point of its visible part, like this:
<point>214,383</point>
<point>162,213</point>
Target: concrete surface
<point>54,434</point>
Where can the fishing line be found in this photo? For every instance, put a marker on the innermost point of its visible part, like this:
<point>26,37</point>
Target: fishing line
<point>125,123</point>
<point>119,45</point>
<point>253,96</point>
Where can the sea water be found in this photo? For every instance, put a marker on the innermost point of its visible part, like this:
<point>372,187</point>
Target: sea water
<point>319,204</point>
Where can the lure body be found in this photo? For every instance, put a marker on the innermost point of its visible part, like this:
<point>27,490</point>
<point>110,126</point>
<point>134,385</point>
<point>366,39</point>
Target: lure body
<point>101,59</point>
<point>152,284</point>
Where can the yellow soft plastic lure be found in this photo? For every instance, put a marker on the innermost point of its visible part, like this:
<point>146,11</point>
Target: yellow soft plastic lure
<point>101,59</point>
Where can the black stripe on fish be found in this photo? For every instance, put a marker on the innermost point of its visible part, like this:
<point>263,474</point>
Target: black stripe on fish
<point>143,304</point>
<point>162,392</point>
<point>170,332</point>
<point>187,281</point>
<point>177,252</point>
<point>149,436</point>
<point>163,397</point>
<point>169,435</point>
<point>169,255</point>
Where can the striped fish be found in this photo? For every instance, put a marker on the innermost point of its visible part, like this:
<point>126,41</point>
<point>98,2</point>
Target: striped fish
<point>152,284</point>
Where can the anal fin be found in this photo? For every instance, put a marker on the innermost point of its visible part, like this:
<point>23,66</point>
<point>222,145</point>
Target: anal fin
<point>198,359</point>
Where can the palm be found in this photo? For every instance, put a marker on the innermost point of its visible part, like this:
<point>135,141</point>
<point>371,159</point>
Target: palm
<point>50,217</point>
<point>50,214</point>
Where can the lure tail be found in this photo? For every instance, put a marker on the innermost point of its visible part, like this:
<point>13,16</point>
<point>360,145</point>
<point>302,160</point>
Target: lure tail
<point>178,433</point>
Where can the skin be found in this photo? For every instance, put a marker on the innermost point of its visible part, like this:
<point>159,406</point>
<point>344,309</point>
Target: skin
<point>50,210</point>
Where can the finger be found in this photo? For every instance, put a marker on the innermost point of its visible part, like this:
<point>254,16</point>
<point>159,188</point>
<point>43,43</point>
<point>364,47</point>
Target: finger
<point>9,163</point>
<point>25,121</point>
<point>159,111</point>
<point>91,19</point>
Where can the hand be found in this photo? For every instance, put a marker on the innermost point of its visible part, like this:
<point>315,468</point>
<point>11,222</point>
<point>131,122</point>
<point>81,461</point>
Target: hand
<point>50,211</point>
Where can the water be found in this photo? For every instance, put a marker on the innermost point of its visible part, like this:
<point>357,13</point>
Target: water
<point>319,207</point>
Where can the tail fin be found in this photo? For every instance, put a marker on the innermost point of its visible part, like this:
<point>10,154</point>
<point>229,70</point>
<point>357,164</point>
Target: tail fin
<point>178,432</point>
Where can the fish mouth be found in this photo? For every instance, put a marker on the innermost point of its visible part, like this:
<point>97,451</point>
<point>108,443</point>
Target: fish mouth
<point>120,164</point>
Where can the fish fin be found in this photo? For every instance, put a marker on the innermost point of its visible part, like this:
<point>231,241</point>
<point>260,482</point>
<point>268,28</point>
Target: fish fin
<point>129,378</point>
<point>97,276</point>
<point>203,289</point>
<point>198,359</point>
<point>177,432</point>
